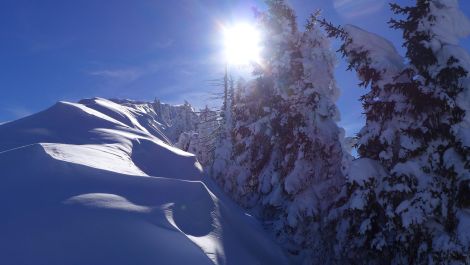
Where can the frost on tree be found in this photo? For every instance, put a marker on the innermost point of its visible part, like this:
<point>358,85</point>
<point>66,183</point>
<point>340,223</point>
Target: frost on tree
<point>202,140</point>
<point>224,141</point>
<point>287,148</point>
<point>415,122</point>
<point>175,119</point>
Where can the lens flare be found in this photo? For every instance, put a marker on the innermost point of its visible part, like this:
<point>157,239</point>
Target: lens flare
<point>242,44</point>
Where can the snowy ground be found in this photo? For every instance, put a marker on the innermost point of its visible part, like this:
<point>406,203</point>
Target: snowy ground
<point>87,184</point>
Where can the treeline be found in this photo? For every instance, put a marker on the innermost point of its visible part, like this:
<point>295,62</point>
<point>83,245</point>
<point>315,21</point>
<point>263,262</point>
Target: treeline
<point>280,152</point>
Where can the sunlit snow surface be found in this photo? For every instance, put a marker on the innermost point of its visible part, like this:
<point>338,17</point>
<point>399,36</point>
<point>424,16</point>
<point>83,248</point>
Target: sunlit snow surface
<point>87,184</point>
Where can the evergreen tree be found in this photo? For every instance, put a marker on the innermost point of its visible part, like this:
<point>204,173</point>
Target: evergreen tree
<point>203,139</point>
<point>361,217</point>
<point>435,143</point>
<point>224,143</point>
<point>414,125</point>
<point>287,152</point>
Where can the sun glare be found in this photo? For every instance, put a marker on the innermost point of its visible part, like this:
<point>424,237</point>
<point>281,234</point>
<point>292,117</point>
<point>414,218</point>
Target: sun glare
<point>242,44</point>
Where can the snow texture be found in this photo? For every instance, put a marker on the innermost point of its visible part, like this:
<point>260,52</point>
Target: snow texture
<point>382,52</point>
<point>88,183</point>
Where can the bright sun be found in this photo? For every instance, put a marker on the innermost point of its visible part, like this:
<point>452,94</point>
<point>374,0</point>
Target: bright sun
<point>242,44</point>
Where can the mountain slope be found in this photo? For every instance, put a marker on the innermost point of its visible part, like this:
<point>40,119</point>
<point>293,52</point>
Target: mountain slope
<point>82,184</point>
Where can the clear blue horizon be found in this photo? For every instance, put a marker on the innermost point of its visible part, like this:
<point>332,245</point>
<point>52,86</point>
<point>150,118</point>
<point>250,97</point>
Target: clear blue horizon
<point>54,50</point>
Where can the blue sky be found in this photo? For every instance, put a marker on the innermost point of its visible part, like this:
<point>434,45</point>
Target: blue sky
<point>53,50</point>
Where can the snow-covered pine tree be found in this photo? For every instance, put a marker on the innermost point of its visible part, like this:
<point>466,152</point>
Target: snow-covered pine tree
<point>224,140</point>
<point>310,151</point>
<point>287,151</point>
<point>203,139</point>
<point>414,127</point>
<point>174,120</point>
<point>252,133</point>
<point>361,217</point>
<point>241,146</point>
<point>436,153</point>
<point>207,129</point>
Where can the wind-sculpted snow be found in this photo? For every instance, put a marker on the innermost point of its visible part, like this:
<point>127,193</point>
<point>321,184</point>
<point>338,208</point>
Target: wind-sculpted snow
<point>81,186</point>
<point>139,116</point>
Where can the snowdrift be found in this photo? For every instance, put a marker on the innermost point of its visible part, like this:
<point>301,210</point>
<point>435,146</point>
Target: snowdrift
<point>88,184</point>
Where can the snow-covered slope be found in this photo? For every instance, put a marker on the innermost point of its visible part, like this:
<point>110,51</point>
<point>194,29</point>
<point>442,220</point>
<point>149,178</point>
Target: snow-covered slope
<point>165,120</point>
<point>88,184</point>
